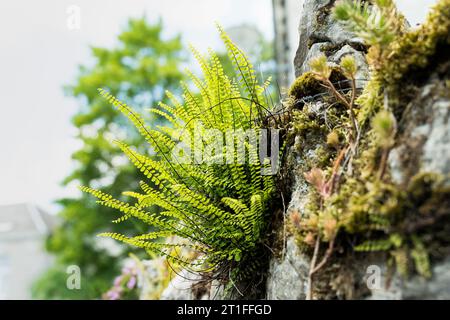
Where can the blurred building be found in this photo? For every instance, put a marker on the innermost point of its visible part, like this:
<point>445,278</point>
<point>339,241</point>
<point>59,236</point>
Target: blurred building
<point>23,228</point>
<point>286,18</point>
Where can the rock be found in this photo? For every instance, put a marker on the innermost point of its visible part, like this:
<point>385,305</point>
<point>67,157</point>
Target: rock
<point>319,33</point>
<point>418,287</point>
<point>180,287</point>
<point>288,276</point>
<point>422,145</point>
<point>315,50</point>
<point>436,151</point>
<point>425,132</point>
<point>362,76</point>
<point>317,26</point>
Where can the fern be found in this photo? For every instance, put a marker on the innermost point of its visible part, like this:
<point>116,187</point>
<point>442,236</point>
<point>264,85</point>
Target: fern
<point>221,209</point>
<point>420,257</point>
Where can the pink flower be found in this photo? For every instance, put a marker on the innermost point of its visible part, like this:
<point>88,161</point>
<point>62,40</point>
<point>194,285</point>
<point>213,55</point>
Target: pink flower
<point>117,281</point>
<point>316,177</point>
<point>113,295</point>
<point>131,283</point>
<point>127,271</point>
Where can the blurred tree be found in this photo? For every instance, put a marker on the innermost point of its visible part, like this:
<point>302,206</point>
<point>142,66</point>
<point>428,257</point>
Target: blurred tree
<point>138,70</point>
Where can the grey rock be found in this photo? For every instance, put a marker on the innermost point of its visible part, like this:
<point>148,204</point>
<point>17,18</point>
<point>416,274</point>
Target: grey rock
<point>288,277</point>
<point>318,26</point>
<point>425,132</point>
<point>423,146</point>
<point>436,150</point>
<point>394,162</point>
<point>438,287</point>
<point>362,75</point>
<point>180,287</point>
<point>288,274</point>
<point>307,28</point>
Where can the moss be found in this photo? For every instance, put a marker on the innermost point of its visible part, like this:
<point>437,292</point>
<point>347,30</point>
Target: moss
<point>414,53</point>
<point>305,85</point>
<point>404,64</point>
<point>416,49</point>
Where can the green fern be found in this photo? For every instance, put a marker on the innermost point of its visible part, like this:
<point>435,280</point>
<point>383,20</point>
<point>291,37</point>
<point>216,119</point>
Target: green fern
<point>420,257</point>
<point>221,209</point>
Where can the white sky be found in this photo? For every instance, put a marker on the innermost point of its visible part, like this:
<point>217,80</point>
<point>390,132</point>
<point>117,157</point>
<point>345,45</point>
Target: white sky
<point>39,54</point>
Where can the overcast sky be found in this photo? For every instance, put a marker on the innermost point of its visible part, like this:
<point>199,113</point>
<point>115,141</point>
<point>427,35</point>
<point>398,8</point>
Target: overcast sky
<point>39,54</point>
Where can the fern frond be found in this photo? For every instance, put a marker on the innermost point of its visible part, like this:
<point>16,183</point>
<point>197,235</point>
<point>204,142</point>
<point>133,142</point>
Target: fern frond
<point>374,245</point>
<point>241,63</point>
<point>421,259</point>
<point>219,210</point>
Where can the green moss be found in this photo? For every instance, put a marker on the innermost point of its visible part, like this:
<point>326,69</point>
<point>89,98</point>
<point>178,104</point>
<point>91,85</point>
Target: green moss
<point>414,53</point>
<point>305,85</point>
<point>379,215</point>
<point>405,62</point>
<point>415,50</point>
<point>304,123</point>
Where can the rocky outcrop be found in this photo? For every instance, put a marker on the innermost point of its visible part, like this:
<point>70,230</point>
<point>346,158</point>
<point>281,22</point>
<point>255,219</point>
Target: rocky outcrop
<point>416,288</point>
<point>422,145</point>
<point>288,277</point>
<point>425,132</point>
<point>319,34</point>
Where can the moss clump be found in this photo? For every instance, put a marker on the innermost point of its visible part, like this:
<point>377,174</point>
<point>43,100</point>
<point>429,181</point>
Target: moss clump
<point>415,49</point>
<point>399,67</point>
<point>305,85</point>
<point>413,53</point>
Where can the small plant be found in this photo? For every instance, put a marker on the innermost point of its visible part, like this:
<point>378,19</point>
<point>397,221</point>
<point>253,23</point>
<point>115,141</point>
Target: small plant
<point>384,126</point>
<point>125,285</point>
<point>378,24</point>
<point>374,24</point>
<point>322,71</point>
<point>219,210</point>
